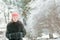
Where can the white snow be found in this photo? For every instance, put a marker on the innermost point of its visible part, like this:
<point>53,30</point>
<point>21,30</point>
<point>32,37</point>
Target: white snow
<point>39,9</point>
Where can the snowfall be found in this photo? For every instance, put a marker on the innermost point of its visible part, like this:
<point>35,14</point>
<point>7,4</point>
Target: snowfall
<point>40,9</point>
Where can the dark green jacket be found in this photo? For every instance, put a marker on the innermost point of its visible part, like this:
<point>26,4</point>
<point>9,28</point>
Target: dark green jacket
<point>15,30</point>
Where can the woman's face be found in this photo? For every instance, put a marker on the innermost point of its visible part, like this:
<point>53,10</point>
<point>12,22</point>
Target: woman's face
<point>15,18</point>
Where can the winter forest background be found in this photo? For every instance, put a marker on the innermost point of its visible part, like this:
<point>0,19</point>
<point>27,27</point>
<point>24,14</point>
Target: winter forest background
<point>41,18</point>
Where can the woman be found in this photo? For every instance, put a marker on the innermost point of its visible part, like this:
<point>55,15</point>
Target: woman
<point>15,29</point>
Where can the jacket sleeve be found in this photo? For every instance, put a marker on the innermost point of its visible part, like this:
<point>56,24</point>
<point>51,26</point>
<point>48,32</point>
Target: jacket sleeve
<point>7,31</point>
<point>23,31</point>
